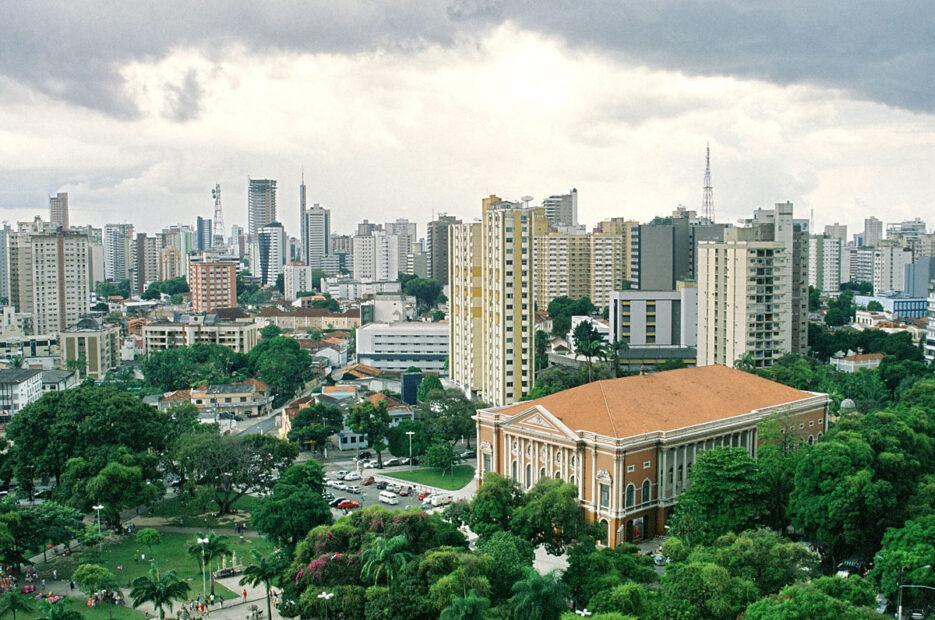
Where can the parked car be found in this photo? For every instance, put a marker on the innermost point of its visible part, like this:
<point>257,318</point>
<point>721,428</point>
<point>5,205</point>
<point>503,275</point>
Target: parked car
<point>328,496</point>
<point>348,505</point>
<point>390,462</point>
<point>393,488</point>
<point>354,488</point>
<point>422,495</point>
<point>441,500</point>
<point>330,483</point>
<point>382,484</point>
<point>468,454</point>
<point>340,486</point>
<point>367,481</point>
<point>352,476</point>
<point>361,456</point>
<point>337,500</point>
<point>340,475</point>
<point>660,560</point>
<point>404,461</point>
<point>404,491</point>
<point>372,464</point>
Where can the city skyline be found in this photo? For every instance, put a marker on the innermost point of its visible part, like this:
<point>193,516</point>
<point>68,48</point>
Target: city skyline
<point>455,102</point>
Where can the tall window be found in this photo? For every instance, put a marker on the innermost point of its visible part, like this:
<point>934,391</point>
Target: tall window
<point>631,496</point>
<point>605,495</point>
<point>528,474</point>
<point>647,494</point>
<point>515,472</point>
<point>486,463</point>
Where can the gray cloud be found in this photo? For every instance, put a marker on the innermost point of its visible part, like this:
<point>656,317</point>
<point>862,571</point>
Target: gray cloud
<point>185,102</point>
<point>880,51</point>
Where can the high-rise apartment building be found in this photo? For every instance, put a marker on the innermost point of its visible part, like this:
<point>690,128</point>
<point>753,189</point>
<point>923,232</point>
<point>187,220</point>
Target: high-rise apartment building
<point>316,235</point>
<point>861,264</point>
<point>204,234</point>
<point>117,241</point>
<point>261,204</point>
<point>928,345</point>
<point>609,262</point>
<point>368,228</point>
<point>49,275</point>
<point>269,253</point>
<point>889,267</point>
<point>562,210</point>
<point>296,279</point>
<point>376,257</point>
<point>562,264</point>
<point>837,231</point>
<point>58,209</point>
<point>212,282</point>
<point>144,263</point>
<point>907,231</point>
<point>406,232</point>
<point>238,240</point>
<point>873,231</point>
<point>743,300</point>
<point>303,229</point>
<point>495,283</point>
<point>824,264</point>
<point>170,262</point>
<point>436,236</point>
<point>5,232</point>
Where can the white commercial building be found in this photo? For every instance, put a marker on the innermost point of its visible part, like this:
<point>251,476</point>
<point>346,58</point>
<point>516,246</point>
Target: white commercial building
<point>397,346</point>
<point>316,235</point>
<point>376,257</point>
<point>344,288</point>
<point>889,267</point>
<point>824,264</point>
<point>18,388</point>
<point>296,279</point>
<point>269,253</point>
<point>655,318</point>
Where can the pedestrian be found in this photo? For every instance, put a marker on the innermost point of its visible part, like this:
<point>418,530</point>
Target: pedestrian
<point>54,574</point>
<point>71,584</point>
<point>244,595</point>
<point>212,598</point>
<point>221,601</point>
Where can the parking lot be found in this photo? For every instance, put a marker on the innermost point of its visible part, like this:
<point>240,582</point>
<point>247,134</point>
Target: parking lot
<point>369,495</point>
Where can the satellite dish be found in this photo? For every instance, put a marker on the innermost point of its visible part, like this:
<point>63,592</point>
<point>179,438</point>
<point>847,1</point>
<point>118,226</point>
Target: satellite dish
<point>526,198</point>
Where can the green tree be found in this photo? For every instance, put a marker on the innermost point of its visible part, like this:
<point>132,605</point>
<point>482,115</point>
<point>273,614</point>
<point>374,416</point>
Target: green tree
<point>511,555</point>
<point>472,606</point>
<point>542,349</point>
<point>814,299</point>
<point>704,591</point>
<point>447,414</point>
<point>282,364</point>
<point>270,331</point>
<point>427,291</point>
<point>12,602</point>
<point>428,384</point>
<point>629,599</point>
<point>384,558</point>
<point>160,590</point>
<point>538,597</point>
<point>589,344</point>
<point>907,555</point>
<point>149,538</point>
<point>312,426</point>
<point>494,503</point>
<point>805,600</point>
<point>745,363</point>
<point>398,440</point>
<point>853,590</point>
<point>214,548</point>
<point>777,457</point>
<point>701,514</point>
<point>875,306</point>
<point>441,455</point>
<point>550,515</point>
<point>373,422</point>
<point>119,487</point>
<point>294,507</point>
<point>280,283</point>
<point>233,466</point>
<point>264,569</point>
<point>92,578</point>
<point>561,309</point>
<point>57,611</point>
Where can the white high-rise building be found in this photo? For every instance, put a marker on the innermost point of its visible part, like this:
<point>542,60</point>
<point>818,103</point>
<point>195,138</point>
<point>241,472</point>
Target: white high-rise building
<point>494,283</point>
<point>269,253</point>
<point>261,204</point>
<point>58,209</point>
<point>5,232</point>
<point>743,291</point>
<point>562,210</point>
<point>117,241</point>
<point>49,275</point>
<point>296,279</point>
<point>824,264</point>
<point>873,231</point>
<point>929,344</point>
<point>889,267</point>
<point>837,231</point>
<point>376,257</point>
<point>316,240</point>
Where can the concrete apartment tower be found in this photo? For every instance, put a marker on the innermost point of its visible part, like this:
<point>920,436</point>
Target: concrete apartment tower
<point>261,205</point>
<point>494,283</point>
<point>316,231</point>
<point>58,209</point>
<point>436,235</point>
<point>873,231</point>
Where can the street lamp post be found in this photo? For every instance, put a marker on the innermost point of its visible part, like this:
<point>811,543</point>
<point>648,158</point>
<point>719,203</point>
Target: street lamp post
<point>100,542</point>
<point>204,582</point>
<point>326,596</point>
<point>410,433</point>
<point>899,608</point>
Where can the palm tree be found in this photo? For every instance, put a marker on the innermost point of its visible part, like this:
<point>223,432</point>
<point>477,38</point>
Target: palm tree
<point>539,597</point>
<point>589,344</point>
<point>160,590</point>
<point>745,363</point>
<point>215,547</point>
<point>264,570</point>
<point>13,602</point>
<point>384,558</point>
<point>616,348</point>
<point>470,607</point>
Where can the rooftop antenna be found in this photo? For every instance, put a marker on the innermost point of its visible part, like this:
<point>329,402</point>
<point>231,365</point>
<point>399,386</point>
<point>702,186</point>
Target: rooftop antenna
<point>707,200</point>
<point>218,217</point>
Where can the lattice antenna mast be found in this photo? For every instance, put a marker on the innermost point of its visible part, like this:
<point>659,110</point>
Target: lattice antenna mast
<point>707,200</point>
<point>219,240</point>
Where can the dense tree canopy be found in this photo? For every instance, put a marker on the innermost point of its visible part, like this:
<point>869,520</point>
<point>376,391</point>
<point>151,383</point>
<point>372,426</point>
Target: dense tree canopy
<point>184,367</point>
<point>373,422</point>
<point>312,426</point>
<point>561,309</point>
<point>294,507</point>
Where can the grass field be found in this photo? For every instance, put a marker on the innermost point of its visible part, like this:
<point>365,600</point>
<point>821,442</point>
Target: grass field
<point>187,515</point>
<point>463,474</point>
<point>123,551</point>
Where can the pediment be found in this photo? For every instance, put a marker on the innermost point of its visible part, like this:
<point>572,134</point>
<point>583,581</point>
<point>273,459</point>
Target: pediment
<point>538,419</point>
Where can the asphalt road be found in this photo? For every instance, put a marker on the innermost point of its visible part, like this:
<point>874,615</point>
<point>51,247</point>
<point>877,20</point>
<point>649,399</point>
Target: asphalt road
<point>369,495</point>
<point>262,427</point>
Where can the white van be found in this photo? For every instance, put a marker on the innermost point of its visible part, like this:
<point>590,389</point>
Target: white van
<point>388,498</point>
<point>441,500</point>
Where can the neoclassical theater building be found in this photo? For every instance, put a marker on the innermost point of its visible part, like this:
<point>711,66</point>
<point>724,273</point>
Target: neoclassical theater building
<point>629,443</point>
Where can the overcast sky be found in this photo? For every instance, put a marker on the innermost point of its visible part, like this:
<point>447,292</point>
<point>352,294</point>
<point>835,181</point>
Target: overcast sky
<point>409,108</point>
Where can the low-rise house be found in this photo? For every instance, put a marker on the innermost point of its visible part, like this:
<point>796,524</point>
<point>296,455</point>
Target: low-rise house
<point>58,380</point>
<point>853,363</point>
<point>18,388</point>
<point>239,334</point>
<point>240,399</point>
<point>308,319</point>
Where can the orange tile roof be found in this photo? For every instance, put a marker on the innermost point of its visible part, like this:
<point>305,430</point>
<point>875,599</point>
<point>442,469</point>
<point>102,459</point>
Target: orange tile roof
<point>661,401</point>
<point>378,397</point>
<point>866,357</point>
<point>330,389</point>
<point>178,395</point>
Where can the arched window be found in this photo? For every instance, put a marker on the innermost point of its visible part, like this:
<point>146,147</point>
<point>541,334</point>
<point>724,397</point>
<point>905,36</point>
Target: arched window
<point>558,475</point>
<point>811,440</point>
<point>631,496</point>
<point>528,474</point>
<point>647,494</point>
<point>572,480</point>
<point>542,473</point>
<point>515,472</point>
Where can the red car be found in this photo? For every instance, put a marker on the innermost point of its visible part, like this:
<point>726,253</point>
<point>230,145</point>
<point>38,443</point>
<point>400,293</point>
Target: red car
<point>368,480</point>
<point>348,505</point>
<point>404,491</point>
<point>423,495</point>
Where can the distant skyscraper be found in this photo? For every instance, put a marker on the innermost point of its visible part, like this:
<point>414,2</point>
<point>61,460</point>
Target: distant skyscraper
<point>873,231</point>
<point>237,240</point>
<point>269,253</point>
<point>562,210</point>
<point>261,204</point>
<point>437,239</point>
<point>144,262</point>
<point>58,209</point>
<point>837,231</point>
<point>117,238</point>
<point>316,229</point>
<point>204,235</point>
<point>4,261</point>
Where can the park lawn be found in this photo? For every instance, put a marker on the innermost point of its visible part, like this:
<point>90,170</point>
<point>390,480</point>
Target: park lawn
<point>186,515</point>
<point>462,475</point>
<point>79,604</point>
<point>172,554</point>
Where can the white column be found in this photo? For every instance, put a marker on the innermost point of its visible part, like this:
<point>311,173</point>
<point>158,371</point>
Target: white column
<point>550,466</point>
<point>579,455</point>
<point>665,472</point>
<point>594,498</point>
<point>535,461</point>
